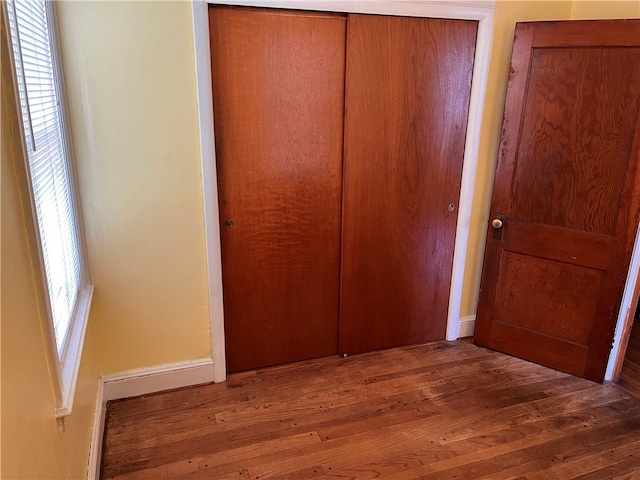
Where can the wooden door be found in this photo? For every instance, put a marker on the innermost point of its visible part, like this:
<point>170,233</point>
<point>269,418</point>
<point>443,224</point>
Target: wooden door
<point>567,186</point>
<point>278,93</point>
<point>407,95</point>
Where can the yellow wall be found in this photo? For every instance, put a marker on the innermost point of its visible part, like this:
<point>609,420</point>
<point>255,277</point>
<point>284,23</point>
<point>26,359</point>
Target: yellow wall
<point>590,10</point>
<point>32,445</point>
<point>130,74</point>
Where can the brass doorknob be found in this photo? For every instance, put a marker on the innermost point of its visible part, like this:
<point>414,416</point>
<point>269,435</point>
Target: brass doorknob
<point>496,223</point>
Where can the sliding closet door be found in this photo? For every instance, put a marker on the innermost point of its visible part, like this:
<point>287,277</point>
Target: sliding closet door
<point>278,94</point>
<point>408,83</point>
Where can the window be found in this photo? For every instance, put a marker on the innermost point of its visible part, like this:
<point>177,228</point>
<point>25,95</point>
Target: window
<point>40,95</point>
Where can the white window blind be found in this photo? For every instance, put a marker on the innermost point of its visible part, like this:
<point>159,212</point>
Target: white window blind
<point>48,161</point>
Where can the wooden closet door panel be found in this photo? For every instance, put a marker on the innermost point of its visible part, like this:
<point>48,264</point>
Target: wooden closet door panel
<point>278,92</point>
<point>408,85</point>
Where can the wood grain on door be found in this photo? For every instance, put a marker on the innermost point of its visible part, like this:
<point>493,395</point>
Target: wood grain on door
<point>408,86</point>
<point>278,93</point>
<point>567,183</point>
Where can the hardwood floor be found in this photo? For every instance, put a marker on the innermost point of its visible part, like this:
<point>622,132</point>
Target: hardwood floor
<point>630,375</point>
<point>436,411</point>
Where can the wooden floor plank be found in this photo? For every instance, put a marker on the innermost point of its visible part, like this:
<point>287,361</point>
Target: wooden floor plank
<point>630,374</point>
<point>631,474</point>
<point>483,455</point>
<point>442,410</point>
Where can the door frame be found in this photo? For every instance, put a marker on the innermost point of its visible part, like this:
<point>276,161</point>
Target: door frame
<point>481,11</point>
<point>626,315</point>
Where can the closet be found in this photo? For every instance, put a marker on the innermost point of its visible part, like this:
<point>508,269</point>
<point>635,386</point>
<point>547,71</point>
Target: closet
<point>339,149</point>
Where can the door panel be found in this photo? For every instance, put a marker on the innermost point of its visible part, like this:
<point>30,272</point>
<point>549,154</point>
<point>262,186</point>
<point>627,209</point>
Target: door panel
<point>526,282</point>
<point>566,184</point>
<point>575,110</point>
<point>407,96</point>
<point>278,92</point>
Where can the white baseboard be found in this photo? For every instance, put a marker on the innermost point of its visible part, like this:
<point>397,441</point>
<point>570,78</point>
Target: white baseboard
<point>156,379</point>
<point>467,326</point>
<point>141,381</point>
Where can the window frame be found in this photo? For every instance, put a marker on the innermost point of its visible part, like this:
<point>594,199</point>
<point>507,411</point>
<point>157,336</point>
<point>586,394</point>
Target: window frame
<point>64,362</point>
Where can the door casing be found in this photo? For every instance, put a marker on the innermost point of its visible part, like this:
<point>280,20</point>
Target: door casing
<point>625,316</point>
<point>448,9</point>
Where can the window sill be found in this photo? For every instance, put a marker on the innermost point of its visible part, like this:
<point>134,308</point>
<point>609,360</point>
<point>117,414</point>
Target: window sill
<point>70,364</point>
